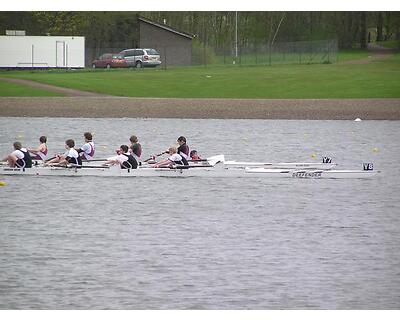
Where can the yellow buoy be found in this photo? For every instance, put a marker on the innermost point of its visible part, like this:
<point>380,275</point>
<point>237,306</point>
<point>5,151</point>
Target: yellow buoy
<point>313,155</point>
<point>2,184</point>
<point>375,150</point>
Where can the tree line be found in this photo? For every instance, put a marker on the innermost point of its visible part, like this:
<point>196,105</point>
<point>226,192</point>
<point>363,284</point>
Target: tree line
<point>213,29</point>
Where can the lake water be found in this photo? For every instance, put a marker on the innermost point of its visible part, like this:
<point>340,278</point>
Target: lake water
<point>203,243</point>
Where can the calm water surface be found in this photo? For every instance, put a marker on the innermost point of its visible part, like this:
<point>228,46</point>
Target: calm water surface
<point>189,243</point>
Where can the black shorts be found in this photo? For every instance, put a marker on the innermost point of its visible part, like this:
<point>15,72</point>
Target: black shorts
<point>20,163</point>
<point>76,161</point>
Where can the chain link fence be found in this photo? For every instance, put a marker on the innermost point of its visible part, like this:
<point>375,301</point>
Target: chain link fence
<point>301,52</point>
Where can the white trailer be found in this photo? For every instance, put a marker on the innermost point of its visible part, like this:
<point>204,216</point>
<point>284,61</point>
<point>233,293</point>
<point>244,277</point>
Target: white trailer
<point>42,52</point>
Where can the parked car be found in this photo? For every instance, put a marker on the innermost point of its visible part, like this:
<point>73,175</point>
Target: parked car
<point>110,60</point>
<point>141,57</point>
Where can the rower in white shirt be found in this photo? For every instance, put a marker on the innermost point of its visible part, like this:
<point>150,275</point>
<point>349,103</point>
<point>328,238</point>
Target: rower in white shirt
<point>70,156</point>
<point>20,157</point>
<point>174,158</point>
<point>86,152</point>
<point>124,158</point>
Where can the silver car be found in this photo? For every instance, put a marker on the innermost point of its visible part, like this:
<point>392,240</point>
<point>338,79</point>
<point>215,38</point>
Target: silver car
<point>139,58</point>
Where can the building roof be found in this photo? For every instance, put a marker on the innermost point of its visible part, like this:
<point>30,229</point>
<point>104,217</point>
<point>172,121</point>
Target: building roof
<point>165,27</point>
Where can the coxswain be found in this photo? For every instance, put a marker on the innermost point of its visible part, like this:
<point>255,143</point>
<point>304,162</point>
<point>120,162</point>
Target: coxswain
<point>183,149</point>
<point>70,156</point>
<point>174,158</point>
<point>86,152</point>
<point>20,157</point>
<point>194,156</point>
<point>135,148</point>
<point>40,152</point>
<point>125,159</point>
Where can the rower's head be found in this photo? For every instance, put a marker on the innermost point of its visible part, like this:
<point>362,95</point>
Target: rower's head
<point>88,136</point>
<point>69,143</point>
<point>17,145</point>
<point>172,150</point>
<point>133,139</point>
<point>194,155</point>
<point>181,140</point>
<point>124,148</point>
<point>43,139</point>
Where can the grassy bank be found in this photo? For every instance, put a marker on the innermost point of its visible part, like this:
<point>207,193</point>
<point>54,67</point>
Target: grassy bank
<point>391,44</point>
<point>15,90</point>
<point>379,79</point>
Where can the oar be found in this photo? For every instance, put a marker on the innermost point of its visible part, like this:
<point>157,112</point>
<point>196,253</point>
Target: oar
<point>94,160</point>
<point>157,155</point>
<point>99,160</point>
<point>47,160</point>
<point>73,165</point>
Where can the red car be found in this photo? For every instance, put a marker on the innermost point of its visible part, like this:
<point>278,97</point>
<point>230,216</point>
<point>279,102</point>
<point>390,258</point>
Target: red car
<point>110,60</point>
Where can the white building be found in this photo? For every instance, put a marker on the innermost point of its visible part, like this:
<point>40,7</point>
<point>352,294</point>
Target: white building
<point>42,51</point>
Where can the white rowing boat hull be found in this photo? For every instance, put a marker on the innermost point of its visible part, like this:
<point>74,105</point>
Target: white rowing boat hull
<point>312,174</point>
<point>215,172</point>
<point>117,172</point>
<point>280,165</point>
<point>236,164</point>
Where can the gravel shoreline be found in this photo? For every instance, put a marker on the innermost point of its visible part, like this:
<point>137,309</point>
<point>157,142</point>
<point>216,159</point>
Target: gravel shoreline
<point>118,107</point>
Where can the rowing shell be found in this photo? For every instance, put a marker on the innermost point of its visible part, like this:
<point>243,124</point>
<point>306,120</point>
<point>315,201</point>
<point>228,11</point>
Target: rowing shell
<point>316,174</point>
<point>280,165</point>
<point>188,171</point>
<point>240,165</point>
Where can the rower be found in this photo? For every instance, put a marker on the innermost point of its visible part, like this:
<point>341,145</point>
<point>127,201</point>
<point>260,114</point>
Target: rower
<point>70,156</point>
<point>20,157</point>
<point>194,155</point>
<point>87,150</point>
<point>135,148</point>
<point>40,152</point>
<point>183,149</point>
<point>125,159</point>
<point>174,158</point>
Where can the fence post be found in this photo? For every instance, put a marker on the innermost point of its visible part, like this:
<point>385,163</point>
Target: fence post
<point>300,57</point>
<point>165,58</point>
<point>33,47</point>
<point>204,55</point>
<point>329,50</point>
<point>269,49</point>
<point>224,55</point>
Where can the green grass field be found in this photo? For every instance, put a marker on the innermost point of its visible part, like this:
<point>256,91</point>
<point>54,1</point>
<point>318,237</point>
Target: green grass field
<point>391,44</point>
<point>379,79</point>
<point>15,90</point>
<point>353,54</point>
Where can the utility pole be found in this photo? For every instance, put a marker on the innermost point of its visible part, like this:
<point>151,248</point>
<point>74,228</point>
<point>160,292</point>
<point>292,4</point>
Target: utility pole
<point>236,38</point>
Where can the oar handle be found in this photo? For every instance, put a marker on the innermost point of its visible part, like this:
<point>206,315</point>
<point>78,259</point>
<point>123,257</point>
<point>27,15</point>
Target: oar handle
<point>94,160</point>
<point>157,155</point>
<point>56,155</point>
<point>72,165</point>
<point>47,160</point>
